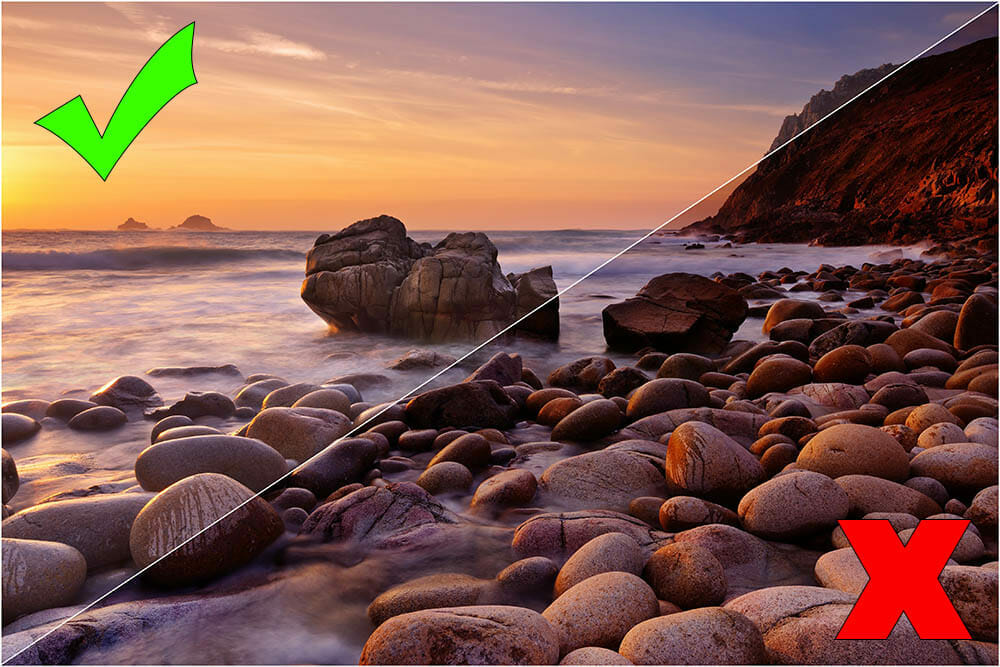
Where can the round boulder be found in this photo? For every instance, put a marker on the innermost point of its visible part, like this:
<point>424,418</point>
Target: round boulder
<point>611,552</point>
<point>39,575</point>
<point>709,636</point>
<point>849,449</point>
<point>795,505</point>
<point>688,575</point>
<point>298,433</point>
<point>703,461</point>
<point>248,461</point>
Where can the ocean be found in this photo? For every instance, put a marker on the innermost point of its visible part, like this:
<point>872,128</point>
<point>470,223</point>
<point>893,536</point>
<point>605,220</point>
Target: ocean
<point>80,308</point>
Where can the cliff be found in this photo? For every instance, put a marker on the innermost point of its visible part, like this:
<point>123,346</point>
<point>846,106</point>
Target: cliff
<point>913,160</point>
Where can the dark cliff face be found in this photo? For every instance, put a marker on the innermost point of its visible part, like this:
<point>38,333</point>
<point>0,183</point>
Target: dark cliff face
<point>913,160</point>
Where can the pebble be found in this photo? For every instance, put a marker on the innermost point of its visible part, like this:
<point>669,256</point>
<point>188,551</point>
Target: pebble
<point>419,440</point>
<point>610,552</point>
<point>252,394</point>
<point>510,488</point>
<point>285,396</point>
<point>684,512</point>
<point>791,309</point>
<point>30,407</point>
<point>445,477</point>
<point>127,392</point>
<point>793,506</point>
<point>708,636</point>
<point>529,575</point>
<point>849,363</point>
<point>982,430</point>
<point>930,487</point>
<point>687,575</point>
<point>940,434</point>
<point>298,433</point>
<point>553,411</point>
<point>430,592</point>
<point>591,421</point>
<point>854,449</point>
<point>703,461</point>
<point>39,574</point>
<point>924,416</point>
<point>471,450</point>
<point>498,635</point>
<point>101,418</point>
<point>248,461</point>
<point>600,610</point>
<point>665,394</point>
<point>190,505</point>
<point>340,464</point>
<point>328,399</point>
<point>973,592</point>
<point>777,374</point>
<point>66,408</point>
<point>186,432</point>
<point>167,423</point>
<point>96,526</point>
<point>15,427</point>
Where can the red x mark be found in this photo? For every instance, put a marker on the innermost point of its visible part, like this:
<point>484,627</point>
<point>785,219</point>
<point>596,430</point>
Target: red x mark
<point>903,579</point>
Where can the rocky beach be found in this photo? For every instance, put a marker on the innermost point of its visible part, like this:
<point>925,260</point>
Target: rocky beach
<point>421,450</point>
<point>671,498</point>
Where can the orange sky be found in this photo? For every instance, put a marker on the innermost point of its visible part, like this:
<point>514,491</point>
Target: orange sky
<point>446,116</point>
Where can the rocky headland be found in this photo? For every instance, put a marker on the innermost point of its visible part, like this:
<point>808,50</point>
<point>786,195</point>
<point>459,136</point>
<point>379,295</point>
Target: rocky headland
<point>913,161</point>
<point>133,225</point>
<point>199,223</point>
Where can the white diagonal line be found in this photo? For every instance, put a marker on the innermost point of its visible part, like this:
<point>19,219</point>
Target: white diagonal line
<point>504,331</point>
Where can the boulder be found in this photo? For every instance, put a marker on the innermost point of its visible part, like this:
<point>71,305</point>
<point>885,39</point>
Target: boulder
<point>430,592</point>
<point>30,407</point>
<point>740,426</point>
<point>709,636</point>
<point>777,374</point>
<point>15,427</point>
<point>253,395</point>
<point>600,610</point>
<point>97,526</point>
<point>961,467</point>
<point>855,332</point>
<point>591,421</point>
<point>794,505</point>
<point>664,394</point>
<point>420,359</point>
<point>471,450</point>
<point>248,461</point>
<point>973,592</point>
<point>127,392</point>
<point>237,526</point>
<point>791,309</point>
<point>482,404</point>
<point>199,404</point>
<point>341,463</point>
<point>703,461</point>
<point>186,432</point>
<point>982,510</point>
<point>676,312</point>
<point>532,289</point>
<point>445,477</point>
<point>684,512</point>
<point>286,395</point>
<point>11,480</point>
<point>502,368</point>
<point>509,488</point>
<point>558,536</point>
<point>65,409</point>
<point>488,635</point>
<point>687,575</point>
<point>529,576</point>
<point>868,494</point>
<point>601,480</point>
<point>584,374</point>
<point>610,552</point>
<point>38,574</point>
<point>298,433</point>
<point>977,323</point>
<point>101,418</point>
<point>594,655</point>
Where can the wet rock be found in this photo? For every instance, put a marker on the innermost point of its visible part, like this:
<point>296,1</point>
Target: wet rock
<point>430,592</point>
<point>926,415</point>
<point>445,477</point>
<point>39,574</point>
<point>339,464</point>
<point>600,610</point>
<point>482,404</point>
<point>710,636</point>
<point>253,394</point>
<point>591,421</point>
<point>558,536</point>
<point>420,359</point>
<point>841,570</point>
<point>497,635</point>
<point>869,494</point>
<point>510,488</point>
<point>285,396</point>
<point>685,366</point>
<point>327,399</point>
<point>168,423</point>
<point>16,427</point>
<point>34,408</point>
<point>11,481</point>
<point>199,404</point>
<point>961,467</point>
<point>294,497</point>
<point>238,526</point>
<point>854,449</point>
<point>66,408</point>
<point>101,418</point>
<point>98,526</point>
<point>471,450</point>
<point>502,368</point>
<point>585,374</point>
<point>248,461</point>
<point>533,289</point>
<point>186,432</point>
<point>298,433</point>
<point>621,382</point>
<point>854,332</point>
<point>898,395</point>
<point>686,574</point>
<point>676,311</point>
<point>940,434</point>
<point>395,516</point>
<point>684,512</point>
<point>664,394</point>
<point>610,552</point>
<point>601,480</point>
<point>127,392</point>
<point>793,506</point>
<point>188,371</point>
<point>931,488</point>
<point>740,426</point>
<point>704,461</point>
<point>646,508</point>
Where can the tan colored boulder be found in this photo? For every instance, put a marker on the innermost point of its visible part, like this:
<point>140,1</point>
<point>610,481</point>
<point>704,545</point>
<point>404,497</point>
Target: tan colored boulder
<point>705,462</point>
<point>38,575</point>
<point>611,552</point>
<point>708,636</point>
<point>299,432</point>
<point>687,575</point>
<point>795,505</point>
<point>854,449</point>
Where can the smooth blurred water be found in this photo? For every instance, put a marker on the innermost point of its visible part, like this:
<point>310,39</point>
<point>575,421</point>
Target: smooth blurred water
<point>80,308</point>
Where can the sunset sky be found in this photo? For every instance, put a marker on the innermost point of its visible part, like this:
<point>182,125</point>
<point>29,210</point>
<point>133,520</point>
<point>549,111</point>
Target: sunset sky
<point>487,116</point>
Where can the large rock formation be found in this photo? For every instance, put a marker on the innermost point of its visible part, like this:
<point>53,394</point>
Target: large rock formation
<point>199,223</point>
<point>372,277</point>
<point>912,160</point>
<point>676,312</point>
<point>133,225</point>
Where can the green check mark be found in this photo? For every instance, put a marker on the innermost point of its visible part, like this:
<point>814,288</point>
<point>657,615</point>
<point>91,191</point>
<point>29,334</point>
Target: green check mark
<point>169,71</point>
